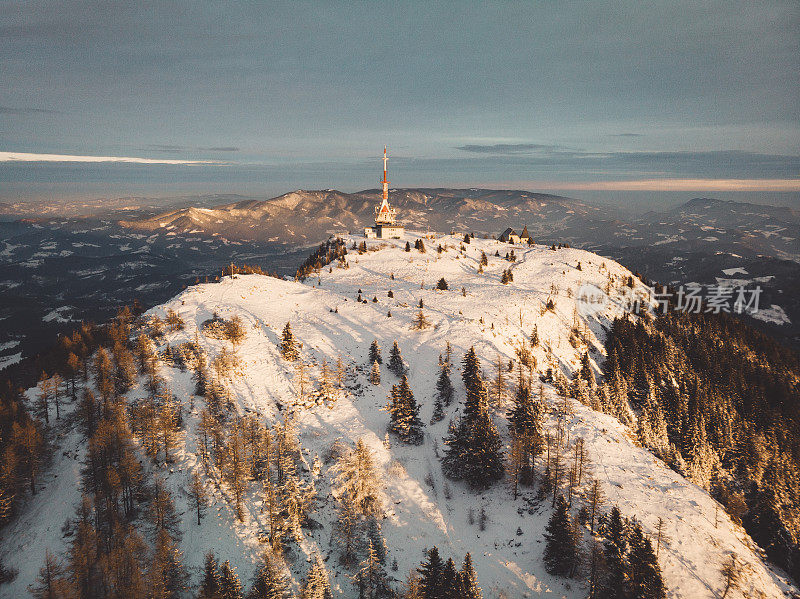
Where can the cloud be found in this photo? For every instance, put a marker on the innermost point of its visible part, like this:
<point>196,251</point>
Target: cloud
<point>29,157</point>
<point>17,110</point>
<point>507,148</point>
<point>627,135</point>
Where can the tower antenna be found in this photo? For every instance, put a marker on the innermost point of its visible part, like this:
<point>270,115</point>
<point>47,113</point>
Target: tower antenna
<point>385,182</point>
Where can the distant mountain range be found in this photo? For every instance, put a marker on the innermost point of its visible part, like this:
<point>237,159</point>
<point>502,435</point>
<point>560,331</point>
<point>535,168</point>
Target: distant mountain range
<point>301,217</point>
<point>705,240</point>
<point>310,216</point>
<point>64,262</point>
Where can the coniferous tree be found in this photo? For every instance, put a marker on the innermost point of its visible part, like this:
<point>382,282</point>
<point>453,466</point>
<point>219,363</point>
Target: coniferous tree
<point>52,582</point>
<point>166,576</point>
<point>197,495</point>
<point>316,584</point>
<point>644,573</point>
<point>210,584</point>
<point>396,364</point>
<point>358,483</point>
<point>404,413</point>
<point>468,581</point>
<point>562,548</point>
<point>269,582</point>
<point>431,572</point>
<point>229,585</point>
<point>375,373</point>
<point>444,386</point>
<point>474,448</point>
<point>420,321</point>
<point>615,581</point>
<point>288,345</point>
<point>442,284</point>
<point>375,352</point>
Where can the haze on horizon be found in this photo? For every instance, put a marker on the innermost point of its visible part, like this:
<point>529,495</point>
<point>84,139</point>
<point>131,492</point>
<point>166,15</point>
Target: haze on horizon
<point>102,99</point>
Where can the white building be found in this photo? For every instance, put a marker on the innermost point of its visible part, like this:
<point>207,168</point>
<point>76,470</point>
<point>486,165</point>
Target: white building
<point>386,226</point>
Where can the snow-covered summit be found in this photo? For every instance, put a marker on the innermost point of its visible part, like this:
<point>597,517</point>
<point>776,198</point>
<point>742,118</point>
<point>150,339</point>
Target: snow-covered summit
<point>423,509</point>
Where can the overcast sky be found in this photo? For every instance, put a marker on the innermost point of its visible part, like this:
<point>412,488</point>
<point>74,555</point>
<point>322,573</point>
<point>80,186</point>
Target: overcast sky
<point>274,95</point>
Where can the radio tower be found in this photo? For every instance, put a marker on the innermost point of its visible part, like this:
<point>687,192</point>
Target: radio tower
<point>385,214</point>
<point>385,182</point>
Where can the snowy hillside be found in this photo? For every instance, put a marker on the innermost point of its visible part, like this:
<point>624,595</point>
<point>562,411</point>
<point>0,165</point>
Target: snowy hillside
<point>422,508</point>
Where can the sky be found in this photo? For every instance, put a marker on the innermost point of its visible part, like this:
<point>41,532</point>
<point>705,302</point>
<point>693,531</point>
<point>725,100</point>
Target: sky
<point>160,98</point>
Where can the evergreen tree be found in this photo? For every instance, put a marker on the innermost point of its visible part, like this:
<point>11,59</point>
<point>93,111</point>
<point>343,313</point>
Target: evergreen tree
<point>375,352</point>
<point>476,393</point>
<point>210,585</point>
<point>375,373</point>
<point>269,582</point>
<point>229,585</point>
<point>444,386</point>
<point>288,345</point>
<point>316,584</point>
<point>614,584</point>
<point>645,581</point>
<point>468,581</point>
<point>197,495</point>
<point>431,572</point>
<point>450,580</point>
<point>474,448</point>
<point>358,483</point>
<point>396,364</point>
<point>562,549</point>
<point>404,413</point>
<point>442,285</point>
<point>52,582</point>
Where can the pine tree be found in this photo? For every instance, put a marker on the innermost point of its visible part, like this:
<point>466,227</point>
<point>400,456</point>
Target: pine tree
<point>375,373</point>
<point>288,345</point>
<point>468,581</point>
<point>371,577</point>
<point>229,585</point>
<point>562,549</point>
<point>375,352</point>
<point>474,448</point>
<point>358,483</point>
<point>484,260</point>
<point>316,584</point>
<point>431,572</point>
<point>614,584</point>
<point>535,336</point>
<point>52,582</point>
<point>645,581</point>
<point>404,413</point>
<point>396,364</point>
<point>269,582</point>
<point>476,393</point>
<point>444,386</point>
<point>420,321</point>
<point>450,579</point>
<point>166,576</point>
<point>442,284</point>
<point>594,501</point>
<point>197,495</point>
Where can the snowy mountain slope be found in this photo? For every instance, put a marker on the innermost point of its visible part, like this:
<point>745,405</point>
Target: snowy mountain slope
<point>422,508</point>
